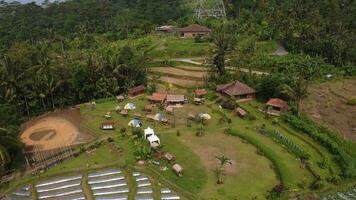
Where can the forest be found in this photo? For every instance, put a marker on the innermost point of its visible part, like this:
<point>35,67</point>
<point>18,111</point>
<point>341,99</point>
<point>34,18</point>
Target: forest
<point>57,55</point>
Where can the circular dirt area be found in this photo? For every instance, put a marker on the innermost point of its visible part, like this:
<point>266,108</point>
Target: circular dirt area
<point>54,130</point>
<point>43,135</point>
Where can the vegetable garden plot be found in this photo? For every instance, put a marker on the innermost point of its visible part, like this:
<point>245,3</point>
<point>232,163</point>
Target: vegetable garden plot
<point>144,190</point>
<point>108,185</point>
<point>113,197</point>
<point>116,190</point>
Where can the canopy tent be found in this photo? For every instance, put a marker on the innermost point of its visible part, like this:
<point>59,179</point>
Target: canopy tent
<point>153,139</point>
<point>130,106</point>
<point>135,123</point>
<point>204,116</point>
<point>159,117</point>
<point>149,132</point>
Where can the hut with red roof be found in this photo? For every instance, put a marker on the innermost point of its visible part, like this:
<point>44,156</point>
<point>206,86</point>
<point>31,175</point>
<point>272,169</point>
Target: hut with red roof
<point>276,106</point>
<point>240,91</point>
<point>194,30</point>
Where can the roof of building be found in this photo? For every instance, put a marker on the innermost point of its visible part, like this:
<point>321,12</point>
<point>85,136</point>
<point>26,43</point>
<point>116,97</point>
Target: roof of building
<point>241,111</point>
<point>175,98</point>
<point>137,89</point>
<point>194,28</point>
<point>235,88</point>
<point>158,97</point>
<point>200,92</point>
<point>276,102</point>
<point>176,167</point>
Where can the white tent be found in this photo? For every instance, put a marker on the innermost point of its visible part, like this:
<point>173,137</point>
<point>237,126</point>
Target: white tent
<point>135,123</point>
<point>149,132</point>
<point>153,139</point>
<point>130,106</point>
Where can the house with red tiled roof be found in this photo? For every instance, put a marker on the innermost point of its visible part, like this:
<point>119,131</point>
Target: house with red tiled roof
<point>240,91</point>
<point>276,106</point>
<point>194,30</point>
<point>158,98</point>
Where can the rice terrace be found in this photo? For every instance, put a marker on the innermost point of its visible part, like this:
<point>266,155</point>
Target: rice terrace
<point>170,100</point>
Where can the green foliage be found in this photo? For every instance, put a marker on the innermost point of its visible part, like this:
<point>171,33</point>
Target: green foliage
<point>289,144</point>
<point>142,149</point>
<point>352,101</point>
<point>341,150</point>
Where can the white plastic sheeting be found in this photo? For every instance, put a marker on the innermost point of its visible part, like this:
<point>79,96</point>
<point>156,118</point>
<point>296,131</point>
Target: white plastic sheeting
<point>144,198</point>
<point>105,179</point>
<point>59,180</point>
<point>108,185</point>
<point>136,174</point>
<point>113,197</point>
<point>60,193</point>
<point>141,178</point>
<point>165,191</point>
<point>143,183</point>
<point>73,197</point>
<point>104,173</point>
<point>59,186</point>
<point>111,191</point>
<point>169,197</point>
<point>144,191</point>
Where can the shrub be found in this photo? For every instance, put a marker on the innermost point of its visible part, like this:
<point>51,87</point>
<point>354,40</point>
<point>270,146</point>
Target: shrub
<point>334,144</point>
<point>351,101</point>
<point>110,139</point>
<point>122,130</point>
<point>178,133</point>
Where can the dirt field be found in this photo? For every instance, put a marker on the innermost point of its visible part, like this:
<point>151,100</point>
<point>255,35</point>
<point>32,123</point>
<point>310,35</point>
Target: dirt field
<point>54,130</point>
<point>179,72</point>
<point>326,104</point>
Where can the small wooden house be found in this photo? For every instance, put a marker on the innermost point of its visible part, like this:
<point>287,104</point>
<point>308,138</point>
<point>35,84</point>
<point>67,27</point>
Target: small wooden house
<point>276,106</point>
<point>240,91</point>
<point>137,115</point>
<point>241,112</point>
<point>200,93</point>
<point>192,116</point>
<point>150,117</point>
<point>158,98</point>
<point>107,126</point>
<point>178,169</point>
<point>120,98</point>
<point>173,99</point>
<point>169,157</point>
<point>133,92</point>
<point>170,110</point>
<point>194,30</point>
<point>148,108</point>
<point>124,113</point>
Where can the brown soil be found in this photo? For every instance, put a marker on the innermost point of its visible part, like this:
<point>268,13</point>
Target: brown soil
<point>180,82</point>
<point>179,72</point>
<point>54,130</point>
<point>326,104</point>
<point>191,68</point>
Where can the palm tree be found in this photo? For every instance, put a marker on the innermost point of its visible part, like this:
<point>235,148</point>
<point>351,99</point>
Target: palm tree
<point>219,171</point>
<point>7,144</point>
<point>297,90</point>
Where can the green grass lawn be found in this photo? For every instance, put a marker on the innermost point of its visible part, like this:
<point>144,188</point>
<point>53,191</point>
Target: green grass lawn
<point>175,47</point>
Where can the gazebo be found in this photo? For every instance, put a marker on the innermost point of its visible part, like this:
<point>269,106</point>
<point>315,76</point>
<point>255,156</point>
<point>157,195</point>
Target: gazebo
<point>276,106</point>
<point>107,126</point>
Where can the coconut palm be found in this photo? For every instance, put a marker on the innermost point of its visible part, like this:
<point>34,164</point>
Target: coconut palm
<point>219,171</point>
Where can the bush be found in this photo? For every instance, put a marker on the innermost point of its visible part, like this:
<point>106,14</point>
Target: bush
<point>339,148</point>
<point>122,130</point>
<point>110,139</point>
<point>351,101</point>
<point>178,133</point>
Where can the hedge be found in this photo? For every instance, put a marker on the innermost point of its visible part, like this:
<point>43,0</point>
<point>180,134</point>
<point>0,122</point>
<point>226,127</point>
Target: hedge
<point>324,137</point>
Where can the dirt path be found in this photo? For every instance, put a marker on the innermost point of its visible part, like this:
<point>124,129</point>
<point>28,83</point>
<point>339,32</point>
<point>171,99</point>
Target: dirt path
<point>178,72</point>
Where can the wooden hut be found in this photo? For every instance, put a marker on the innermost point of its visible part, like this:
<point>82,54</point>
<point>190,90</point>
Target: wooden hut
<point>107,126</point>
<point>148,108</point>
<point>158,98</point>
<point>173,99</point>
<point>120,98</point>
<point>170,110</point>
<point>193,30</point>
<point>241,112</point>
<point>169,157</point>
<point>137,115</point>
<point>276,106</point>
<point>200,93</point>
<point>133,92</point>
<point>192,116</point>
<point>178,169</point>
<point>240,91</point>
<point>124,113</point>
